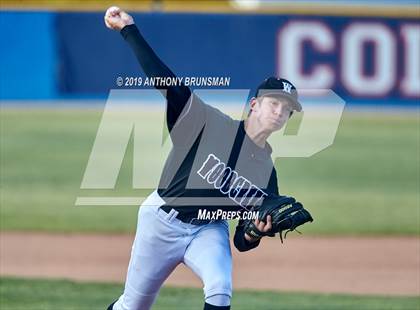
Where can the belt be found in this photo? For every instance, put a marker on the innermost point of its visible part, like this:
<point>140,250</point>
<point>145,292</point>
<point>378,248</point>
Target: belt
<point>185,218</point>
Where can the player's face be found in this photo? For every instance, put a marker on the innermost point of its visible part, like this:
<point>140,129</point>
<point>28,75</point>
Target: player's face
<point>272,112</point>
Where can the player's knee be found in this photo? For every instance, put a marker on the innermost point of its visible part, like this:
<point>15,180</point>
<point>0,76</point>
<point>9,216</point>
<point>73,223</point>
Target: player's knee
<point>218,300</point>
<point>221,285</point>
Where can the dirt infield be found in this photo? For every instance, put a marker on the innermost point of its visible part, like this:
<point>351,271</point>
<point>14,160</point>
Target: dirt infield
<point>385,266</point>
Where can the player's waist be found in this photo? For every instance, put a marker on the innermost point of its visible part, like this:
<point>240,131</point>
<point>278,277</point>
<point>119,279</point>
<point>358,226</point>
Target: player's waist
<point>202,215</point>
<point>186,217</point>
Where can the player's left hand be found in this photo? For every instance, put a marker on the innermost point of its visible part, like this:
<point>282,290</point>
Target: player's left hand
<point>286,214</point>
<point>262,226</point>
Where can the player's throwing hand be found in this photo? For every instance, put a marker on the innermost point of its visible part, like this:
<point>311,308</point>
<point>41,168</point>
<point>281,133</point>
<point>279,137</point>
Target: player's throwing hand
<point>117,19</point>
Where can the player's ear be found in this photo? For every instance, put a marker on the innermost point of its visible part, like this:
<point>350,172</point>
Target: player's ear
<point>252,103</point>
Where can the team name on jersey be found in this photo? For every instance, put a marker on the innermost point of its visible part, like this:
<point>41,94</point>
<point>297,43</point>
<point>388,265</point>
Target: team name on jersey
<point>230,183</point>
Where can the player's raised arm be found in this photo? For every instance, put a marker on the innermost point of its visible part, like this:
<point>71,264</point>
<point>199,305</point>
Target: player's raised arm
<point>177,96</point>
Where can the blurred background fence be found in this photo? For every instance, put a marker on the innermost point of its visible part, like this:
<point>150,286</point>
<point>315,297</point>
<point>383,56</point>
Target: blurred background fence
<point>365,52</point>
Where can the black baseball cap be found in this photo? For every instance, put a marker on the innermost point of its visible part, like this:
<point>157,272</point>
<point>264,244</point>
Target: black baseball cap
<point>279,87</point>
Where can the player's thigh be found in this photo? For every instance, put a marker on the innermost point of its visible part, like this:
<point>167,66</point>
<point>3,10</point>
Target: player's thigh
<point>157,249</point>
<point>209,256</point>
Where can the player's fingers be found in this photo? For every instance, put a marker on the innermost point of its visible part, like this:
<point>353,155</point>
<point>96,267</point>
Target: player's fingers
<point>106,18</point>
<point>114,10</point>
<point>111,13</point>
<point>124,15</point>
<point>110,22</point>
<point>261,226</point>
<point>127,18</point>
<point>268,225</point>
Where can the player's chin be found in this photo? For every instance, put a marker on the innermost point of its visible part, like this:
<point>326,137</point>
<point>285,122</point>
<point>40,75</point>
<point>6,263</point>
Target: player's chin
<point>275,126</point>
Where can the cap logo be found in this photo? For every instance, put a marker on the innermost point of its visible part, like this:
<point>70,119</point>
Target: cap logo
<point>287,87</point>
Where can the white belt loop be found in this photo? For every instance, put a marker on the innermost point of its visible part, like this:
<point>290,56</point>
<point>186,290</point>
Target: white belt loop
<point>172,215</point>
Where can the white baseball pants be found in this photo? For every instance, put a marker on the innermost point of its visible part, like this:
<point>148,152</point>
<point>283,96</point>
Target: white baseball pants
<point>162,242</point>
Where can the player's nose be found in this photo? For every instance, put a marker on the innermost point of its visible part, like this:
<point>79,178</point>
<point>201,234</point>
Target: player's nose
<point>279,110</point>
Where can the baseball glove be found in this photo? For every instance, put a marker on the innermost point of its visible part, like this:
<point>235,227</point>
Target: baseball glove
<point>286,215</point>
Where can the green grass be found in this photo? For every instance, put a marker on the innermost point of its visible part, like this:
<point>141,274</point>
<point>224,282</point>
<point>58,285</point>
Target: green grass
<point>366,183</point>
<point>65,295</point>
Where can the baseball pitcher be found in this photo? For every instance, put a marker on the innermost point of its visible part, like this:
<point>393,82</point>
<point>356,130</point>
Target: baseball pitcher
<point>217,167</point>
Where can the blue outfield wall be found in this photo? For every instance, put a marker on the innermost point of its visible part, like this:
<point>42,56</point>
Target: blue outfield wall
<point>73,55</point>
<point>28,56</point>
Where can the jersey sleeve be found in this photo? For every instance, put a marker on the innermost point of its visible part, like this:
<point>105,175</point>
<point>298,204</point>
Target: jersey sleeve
<point>177,96</point>
<point>239,239</point>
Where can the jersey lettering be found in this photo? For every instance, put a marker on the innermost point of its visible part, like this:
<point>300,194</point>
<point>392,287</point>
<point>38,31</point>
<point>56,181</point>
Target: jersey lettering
<point>227,181</point>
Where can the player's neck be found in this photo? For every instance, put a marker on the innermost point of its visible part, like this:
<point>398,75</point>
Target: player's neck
<point>254,132</point>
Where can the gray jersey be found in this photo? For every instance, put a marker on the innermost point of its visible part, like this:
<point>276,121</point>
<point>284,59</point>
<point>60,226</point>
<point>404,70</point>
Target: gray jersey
<point>213,163</point>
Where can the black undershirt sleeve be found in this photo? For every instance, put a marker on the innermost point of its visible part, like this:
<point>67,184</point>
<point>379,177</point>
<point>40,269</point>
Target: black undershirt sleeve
<point>177,96</point>
<point>239,239</point>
